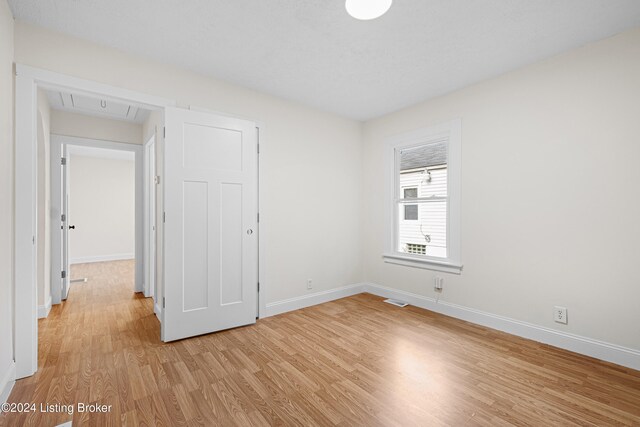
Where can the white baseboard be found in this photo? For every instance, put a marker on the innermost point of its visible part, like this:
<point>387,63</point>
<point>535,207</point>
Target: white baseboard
<point>7,381</point>
<point>297,303</point>
<point>100,258</point>
<point>43,310</point>
<point>590,347</point>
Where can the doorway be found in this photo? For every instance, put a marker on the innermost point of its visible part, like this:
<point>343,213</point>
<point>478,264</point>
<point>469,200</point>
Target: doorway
<point>104,221</point>
<point>207,168</point>
<point>99,210</point>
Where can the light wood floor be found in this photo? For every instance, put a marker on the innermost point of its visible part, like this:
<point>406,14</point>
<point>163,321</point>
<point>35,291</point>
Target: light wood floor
<point>356,361</point>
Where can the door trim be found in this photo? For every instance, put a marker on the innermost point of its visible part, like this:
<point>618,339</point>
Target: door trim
<point>150,235</point>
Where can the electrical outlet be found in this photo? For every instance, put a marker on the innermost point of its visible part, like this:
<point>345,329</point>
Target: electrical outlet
<point>560,314</point>
<point>309,284</point>
<point>437,283</point>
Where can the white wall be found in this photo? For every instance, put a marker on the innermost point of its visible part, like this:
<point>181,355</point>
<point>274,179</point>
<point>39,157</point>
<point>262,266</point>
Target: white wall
<point>102,208</point>
<point>6,195</point>
<point>80,125</point>
<point>550,200</point>
<point>311,226</point>
<point>44,203</point>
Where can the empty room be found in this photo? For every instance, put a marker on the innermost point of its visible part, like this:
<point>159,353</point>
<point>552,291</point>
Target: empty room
<point>349,213</point>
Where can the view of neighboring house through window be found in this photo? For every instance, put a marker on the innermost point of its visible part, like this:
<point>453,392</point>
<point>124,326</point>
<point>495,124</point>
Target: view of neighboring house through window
<point>422,229</point>
<point>423,198</point>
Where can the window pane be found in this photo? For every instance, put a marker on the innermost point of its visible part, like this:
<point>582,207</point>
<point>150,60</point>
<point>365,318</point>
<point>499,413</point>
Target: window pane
<point>410,193</point>
<point>424,156</point>
<point>430,229</point>
<point>410,212</point>
<point>423,174</point>
<point>425,169</point>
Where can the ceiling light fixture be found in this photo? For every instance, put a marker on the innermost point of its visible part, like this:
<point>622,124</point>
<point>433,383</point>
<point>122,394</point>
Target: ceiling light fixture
<point>367,9</point>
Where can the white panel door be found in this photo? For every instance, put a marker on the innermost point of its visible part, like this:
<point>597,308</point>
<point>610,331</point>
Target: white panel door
<point>210,240</point>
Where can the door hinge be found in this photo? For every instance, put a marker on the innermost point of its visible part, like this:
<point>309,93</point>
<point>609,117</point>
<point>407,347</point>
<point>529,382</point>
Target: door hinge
<point>163,302</point>
<point>258,216</point>
<point>157,179</point>
<point>63,218</point>
<point>164,132</point>
<point>63,161</point>
<point>64,274</point>
<point>164,217</point>
<point>258,145</point>
<point>258,286</point>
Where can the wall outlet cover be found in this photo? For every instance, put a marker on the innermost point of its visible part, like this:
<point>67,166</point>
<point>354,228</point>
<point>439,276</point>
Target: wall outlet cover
<point>560,314</point>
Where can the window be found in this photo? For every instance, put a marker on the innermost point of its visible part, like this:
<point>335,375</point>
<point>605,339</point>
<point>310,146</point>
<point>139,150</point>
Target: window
<point>410,211</point>
<point>410,193</point>
<point>423,190</point>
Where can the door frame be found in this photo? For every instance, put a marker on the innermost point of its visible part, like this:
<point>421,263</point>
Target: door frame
<point>64,207</point>
<point>57,141</point>
<point>27,81</point>
<point>150,218</point>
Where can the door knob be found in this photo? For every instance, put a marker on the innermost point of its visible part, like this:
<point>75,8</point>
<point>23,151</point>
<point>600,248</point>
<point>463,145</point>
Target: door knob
<point>249,231</point>
<point>72,227</point>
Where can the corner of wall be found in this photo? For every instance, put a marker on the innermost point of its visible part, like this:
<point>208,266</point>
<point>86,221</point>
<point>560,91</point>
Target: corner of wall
<point>363,190</point>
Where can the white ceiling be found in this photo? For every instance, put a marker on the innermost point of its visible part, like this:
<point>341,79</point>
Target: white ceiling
<point>313,52</point>
<point>96,107</point>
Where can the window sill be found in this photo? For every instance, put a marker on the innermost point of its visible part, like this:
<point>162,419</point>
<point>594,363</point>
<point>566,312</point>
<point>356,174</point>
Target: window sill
<point>426,263</point>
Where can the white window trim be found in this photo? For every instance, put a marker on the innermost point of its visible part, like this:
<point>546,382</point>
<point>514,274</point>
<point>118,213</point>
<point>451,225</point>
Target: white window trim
<point>452,132</point>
